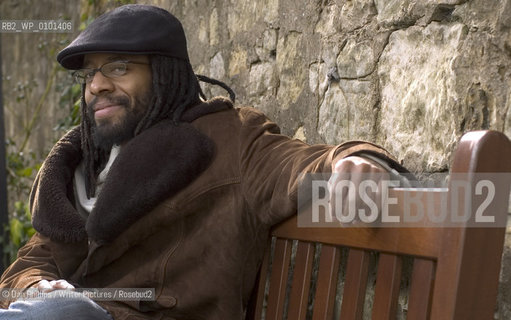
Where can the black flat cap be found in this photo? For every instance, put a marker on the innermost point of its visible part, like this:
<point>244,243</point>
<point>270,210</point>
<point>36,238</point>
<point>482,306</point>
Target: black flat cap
<point>130,29</point>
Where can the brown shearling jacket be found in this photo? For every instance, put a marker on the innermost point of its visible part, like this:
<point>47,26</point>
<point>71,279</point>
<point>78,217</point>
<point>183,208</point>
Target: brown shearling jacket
<point>185,215</point>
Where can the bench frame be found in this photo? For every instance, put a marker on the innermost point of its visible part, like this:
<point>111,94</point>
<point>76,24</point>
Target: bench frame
<point>455,270</point>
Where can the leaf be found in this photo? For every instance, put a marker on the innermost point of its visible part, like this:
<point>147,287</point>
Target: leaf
<point>16,231</point>
<point>28,215</point>
<point>30,232</point>
<point>26,172</point>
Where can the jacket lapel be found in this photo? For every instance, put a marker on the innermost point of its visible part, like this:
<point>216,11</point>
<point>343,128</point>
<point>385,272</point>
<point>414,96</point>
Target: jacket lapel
<point>150,168</point>
<point>51,199</point>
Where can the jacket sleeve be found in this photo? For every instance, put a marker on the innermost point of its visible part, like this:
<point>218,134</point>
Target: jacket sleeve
<point>271,165</point>
<point>36,261</point>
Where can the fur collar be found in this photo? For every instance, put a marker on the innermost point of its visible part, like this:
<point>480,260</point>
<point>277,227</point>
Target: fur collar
<point>150,168</point>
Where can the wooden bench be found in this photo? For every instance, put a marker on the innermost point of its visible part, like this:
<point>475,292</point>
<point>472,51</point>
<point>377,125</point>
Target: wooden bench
<point>454,270</point>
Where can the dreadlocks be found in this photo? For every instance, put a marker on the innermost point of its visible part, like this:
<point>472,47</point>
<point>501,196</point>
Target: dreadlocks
<point>175,88</point>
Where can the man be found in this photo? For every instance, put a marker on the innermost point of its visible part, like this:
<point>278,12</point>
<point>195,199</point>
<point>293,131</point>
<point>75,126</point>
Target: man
<point>158,188</point>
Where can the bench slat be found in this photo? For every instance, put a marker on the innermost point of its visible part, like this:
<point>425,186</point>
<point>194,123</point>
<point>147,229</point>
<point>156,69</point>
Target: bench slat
<point>421,289</point>
<point>299,296</point>
<point>278,280</point>
<point>387,287</point>
<point>355,285</point>
<point>327,283</point>
<point>423,242</point>
<point>256,303</point>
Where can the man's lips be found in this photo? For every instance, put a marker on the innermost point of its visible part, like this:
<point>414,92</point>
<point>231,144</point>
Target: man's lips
<point>105,110</point>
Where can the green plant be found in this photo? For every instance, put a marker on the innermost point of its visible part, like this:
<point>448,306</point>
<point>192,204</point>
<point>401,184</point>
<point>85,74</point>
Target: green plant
<point>21,170</point>
<point>69,101</point>
<point>22,163</point>
<point>19,230</point>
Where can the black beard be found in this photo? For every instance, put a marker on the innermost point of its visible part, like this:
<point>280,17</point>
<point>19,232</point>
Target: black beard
<point>107,135</point>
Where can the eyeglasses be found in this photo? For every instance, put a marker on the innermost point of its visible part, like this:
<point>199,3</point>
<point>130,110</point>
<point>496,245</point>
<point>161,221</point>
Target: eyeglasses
<point>114,69</point>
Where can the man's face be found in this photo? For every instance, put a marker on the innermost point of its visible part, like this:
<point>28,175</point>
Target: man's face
<point>115,105</point>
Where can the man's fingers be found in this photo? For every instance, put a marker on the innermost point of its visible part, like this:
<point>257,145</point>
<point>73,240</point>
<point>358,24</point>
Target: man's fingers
<point>43,285</point>
<point>61,284</point>
<point>356,164</point>
<point>49,286</point>
<point>357,184</point>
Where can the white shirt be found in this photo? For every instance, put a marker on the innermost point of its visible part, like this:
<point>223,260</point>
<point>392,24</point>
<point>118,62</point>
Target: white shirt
<point>84,204</point>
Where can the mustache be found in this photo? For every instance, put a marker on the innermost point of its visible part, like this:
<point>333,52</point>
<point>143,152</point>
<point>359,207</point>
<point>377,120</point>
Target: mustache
<point>120,100</point>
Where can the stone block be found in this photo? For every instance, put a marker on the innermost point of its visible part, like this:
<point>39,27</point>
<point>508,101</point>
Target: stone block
<point>292,78</point>
<point>418,94</point>
<point>347,111</point>
<point>356,60</point>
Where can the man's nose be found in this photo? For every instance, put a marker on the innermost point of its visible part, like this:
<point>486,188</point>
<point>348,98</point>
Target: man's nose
<point>100,84</point>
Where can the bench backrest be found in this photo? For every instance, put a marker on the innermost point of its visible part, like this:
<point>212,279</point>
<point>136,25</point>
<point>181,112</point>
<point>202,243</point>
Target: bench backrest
<point>454,274</point>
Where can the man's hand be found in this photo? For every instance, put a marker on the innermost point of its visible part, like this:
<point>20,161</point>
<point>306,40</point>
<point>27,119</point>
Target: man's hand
<point>356,190</point>
<point>49,286</point>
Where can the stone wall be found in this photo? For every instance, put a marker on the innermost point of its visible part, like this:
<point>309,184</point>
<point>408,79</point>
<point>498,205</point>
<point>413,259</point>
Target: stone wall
<point>411,75</point>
